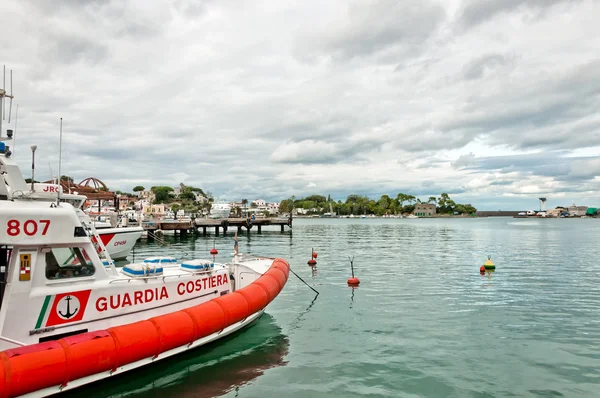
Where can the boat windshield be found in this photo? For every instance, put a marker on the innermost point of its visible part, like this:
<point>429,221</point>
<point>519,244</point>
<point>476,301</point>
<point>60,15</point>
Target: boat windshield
<point>76,203</point>
<point>68,262</point>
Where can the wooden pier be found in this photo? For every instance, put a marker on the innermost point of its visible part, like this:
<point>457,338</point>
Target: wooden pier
<point>180,227</point>
<point>240,223</point>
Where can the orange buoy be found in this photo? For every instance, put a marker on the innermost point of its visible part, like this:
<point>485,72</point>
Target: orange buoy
<point>312,261</point>
<point>482,269</point>
<point>353,281</point>
<point>214,251</point>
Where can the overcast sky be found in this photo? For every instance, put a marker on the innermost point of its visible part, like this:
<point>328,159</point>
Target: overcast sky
<point>495,102</point>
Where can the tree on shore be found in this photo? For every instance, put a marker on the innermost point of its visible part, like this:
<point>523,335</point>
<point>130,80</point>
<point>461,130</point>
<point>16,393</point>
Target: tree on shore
<point>359,205</point>
<point>162,194</point>
<point>287,205</point>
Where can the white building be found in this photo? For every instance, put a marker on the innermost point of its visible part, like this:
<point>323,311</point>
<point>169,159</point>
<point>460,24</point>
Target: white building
<point>260,206</point>
<point>200,198</point>
<point>140,204</point>
<point>273,207</point>
<point>146,195</point>
<point>577,211</point>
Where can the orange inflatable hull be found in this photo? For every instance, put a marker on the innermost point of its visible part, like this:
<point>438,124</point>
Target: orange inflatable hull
<point>56,363</point>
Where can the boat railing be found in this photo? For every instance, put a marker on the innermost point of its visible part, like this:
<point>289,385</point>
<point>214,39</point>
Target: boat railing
<point>12,341</point>
<point>163,277</point>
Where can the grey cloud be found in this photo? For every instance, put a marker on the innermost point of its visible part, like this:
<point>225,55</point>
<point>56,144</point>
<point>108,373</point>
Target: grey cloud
<point>476,68</point>
<point>465,161</point>
<point>555,164</point>
<point>112,18</point>
<point>516,118</point>
<point>70,49</point>
<point>503,182</point>
<point>192,8</point>
<point>375,26</point>
<point>324,152</point>
<point>427,139</point>
<point>475,12</point>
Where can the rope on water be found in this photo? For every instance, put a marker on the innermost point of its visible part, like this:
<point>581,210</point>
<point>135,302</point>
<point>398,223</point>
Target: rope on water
<point>165,243</point>
<point>297,276</point>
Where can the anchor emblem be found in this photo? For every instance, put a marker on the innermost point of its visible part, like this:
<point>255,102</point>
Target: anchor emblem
<point>68,314</point>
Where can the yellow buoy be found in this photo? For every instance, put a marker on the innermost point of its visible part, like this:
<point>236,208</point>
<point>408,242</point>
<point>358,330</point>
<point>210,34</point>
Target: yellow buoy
<point>489,264</point>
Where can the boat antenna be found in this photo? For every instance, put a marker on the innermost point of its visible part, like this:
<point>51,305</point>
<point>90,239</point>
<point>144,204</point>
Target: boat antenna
<point>15,132</point>
<point>59,162</point>
<point>33,148</point>
<point>11,97</point>
<point>3,92</point>
<point>4,95</point>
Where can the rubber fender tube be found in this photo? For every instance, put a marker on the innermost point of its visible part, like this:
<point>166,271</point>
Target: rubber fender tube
<point>279,276</point>
<point>236,307</point>
<point>174,330</point>
<point>4,375</point>
<point>283,265</point>
<point>135,341</point>
<point>256,296</point>
<point>35,367</point>
<point>209,316</point>
<point>270,284</point>
<point>88,354</point>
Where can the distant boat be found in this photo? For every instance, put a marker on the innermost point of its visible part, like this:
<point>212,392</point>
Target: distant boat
<point>220,210</point>
<point>412,216</point>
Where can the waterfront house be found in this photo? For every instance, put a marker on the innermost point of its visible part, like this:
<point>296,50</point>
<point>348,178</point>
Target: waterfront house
<point>424,210</point>
<point>154,210</point>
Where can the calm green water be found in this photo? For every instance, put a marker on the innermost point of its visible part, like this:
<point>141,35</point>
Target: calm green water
<point>424,322</point>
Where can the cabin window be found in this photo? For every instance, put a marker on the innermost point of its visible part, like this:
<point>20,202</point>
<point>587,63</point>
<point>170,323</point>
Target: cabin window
<point>68,262</point>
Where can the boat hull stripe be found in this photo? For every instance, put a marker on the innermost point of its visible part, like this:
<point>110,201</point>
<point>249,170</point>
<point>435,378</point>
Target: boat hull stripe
<point>43,312</point>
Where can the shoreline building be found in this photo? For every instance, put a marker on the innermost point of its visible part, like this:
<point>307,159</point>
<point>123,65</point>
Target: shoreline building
<point>425,210</point>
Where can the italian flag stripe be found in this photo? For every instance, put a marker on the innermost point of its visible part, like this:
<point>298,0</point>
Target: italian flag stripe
<point>43,312</point>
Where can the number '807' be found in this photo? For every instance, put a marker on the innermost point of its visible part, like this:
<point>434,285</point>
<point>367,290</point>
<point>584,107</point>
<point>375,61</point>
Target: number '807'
<point>29,227</point>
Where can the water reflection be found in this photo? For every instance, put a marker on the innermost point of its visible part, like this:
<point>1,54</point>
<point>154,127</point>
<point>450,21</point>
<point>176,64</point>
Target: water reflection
<point>209,371</point>
<point>296,322</point>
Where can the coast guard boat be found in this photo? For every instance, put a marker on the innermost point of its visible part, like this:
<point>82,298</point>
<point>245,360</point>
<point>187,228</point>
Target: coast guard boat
<point>70,318</point>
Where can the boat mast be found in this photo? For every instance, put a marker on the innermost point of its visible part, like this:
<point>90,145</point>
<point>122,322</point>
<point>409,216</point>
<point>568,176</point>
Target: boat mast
<point>59,163</point>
